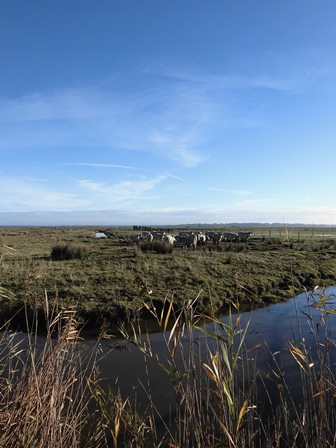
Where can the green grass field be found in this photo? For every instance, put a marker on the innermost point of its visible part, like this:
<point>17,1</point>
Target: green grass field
<point>114,278</point>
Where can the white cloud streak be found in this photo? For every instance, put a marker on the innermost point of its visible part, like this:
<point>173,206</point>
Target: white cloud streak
<point>227,82</point>
<point>21,194</point>
<point>59,105</point>
<point>173,118</point>
<point>164,122</point>
<point>104,165</point>
<point>173,176</point>
<point>229,191</point>
<point>122,192</point>
<point>126,202</point>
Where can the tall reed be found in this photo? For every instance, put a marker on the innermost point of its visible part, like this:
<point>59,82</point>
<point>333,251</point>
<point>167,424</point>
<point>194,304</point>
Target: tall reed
<point>44,400</point>
<point>219,390</point>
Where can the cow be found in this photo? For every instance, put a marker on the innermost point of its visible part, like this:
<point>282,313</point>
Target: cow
<point>170,239</point>
<point>187,240</point>
<point>201,239</point>
<point>147,236</point>
<point>185,232</point>
<point>216,237</point>
<point>243,236</point>
<point>228,236</point>
<point>135,238</point>
<point>158,236</point>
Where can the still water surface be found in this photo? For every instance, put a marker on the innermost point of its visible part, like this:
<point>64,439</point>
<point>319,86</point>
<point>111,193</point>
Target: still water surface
<point>270,328</point>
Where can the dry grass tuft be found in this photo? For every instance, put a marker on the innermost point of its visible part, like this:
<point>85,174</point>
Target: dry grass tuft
<point>43,388</point>
<point>67,252</point>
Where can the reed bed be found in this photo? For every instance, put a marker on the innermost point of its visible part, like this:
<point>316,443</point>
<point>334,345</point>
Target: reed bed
<point>51,395</point>
<point>221,399</point>
<point>44,384</point>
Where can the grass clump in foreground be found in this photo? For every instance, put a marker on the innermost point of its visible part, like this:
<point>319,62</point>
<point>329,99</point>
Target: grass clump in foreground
<point>158,247</point>
<point>67,252</point>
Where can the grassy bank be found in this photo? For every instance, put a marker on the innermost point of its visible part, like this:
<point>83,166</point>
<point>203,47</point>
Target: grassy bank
<point>111,278</point>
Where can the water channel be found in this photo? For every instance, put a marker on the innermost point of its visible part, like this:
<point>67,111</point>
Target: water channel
<point>270,329</point>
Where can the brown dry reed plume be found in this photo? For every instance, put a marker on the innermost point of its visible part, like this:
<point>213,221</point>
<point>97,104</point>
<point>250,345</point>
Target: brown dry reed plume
<point>43,387</point>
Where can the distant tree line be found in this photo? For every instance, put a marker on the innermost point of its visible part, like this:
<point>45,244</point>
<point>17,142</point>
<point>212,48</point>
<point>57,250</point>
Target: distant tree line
<point>151,229</point>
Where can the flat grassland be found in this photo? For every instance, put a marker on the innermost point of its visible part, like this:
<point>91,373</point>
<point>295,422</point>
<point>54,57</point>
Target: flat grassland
<point>113,278</point>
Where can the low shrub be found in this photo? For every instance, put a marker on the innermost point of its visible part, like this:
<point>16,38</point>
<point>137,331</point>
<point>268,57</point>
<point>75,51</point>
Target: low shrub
<point>67,252</point>
<point>156,246</point>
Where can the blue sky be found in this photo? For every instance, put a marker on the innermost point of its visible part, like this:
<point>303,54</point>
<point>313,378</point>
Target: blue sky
<point>128,112</point>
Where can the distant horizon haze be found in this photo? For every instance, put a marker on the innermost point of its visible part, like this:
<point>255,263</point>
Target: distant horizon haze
<point>158,218</point>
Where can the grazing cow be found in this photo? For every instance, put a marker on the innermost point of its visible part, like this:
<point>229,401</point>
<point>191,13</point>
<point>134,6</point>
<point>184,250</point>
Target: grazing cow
<point>147,236</point>
<point>201,239</point>
<point>170,239</point>
<point>158,236</point>
<point>185,232</point>
<point>188,240</point>
<point>228,236</point>
<point>216,237</point>
<point>243,236</point>
<point>135,238</point>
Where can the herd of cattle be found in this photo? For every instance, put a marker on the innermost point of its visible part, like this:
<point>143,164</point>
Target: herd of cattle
<point>191,239</point>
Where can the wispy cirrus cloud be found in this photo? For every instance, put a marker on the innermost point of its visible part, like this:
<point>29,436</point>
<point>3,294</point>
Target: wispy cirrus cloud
<point>34,179</point>
<point>104,165</point>
<point>173,114</point>
<point>122,192</point>
<point>296,70</point>
<point>179,146</point>
<point>172,117</point>
<point>127,202</point>
<point>63,104</point>
<point>173,176</point>
<point>163,121</point>
<point>23,194</point>
<point>231,191</point>
<point>234,82</point>
<point>27,194</point>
